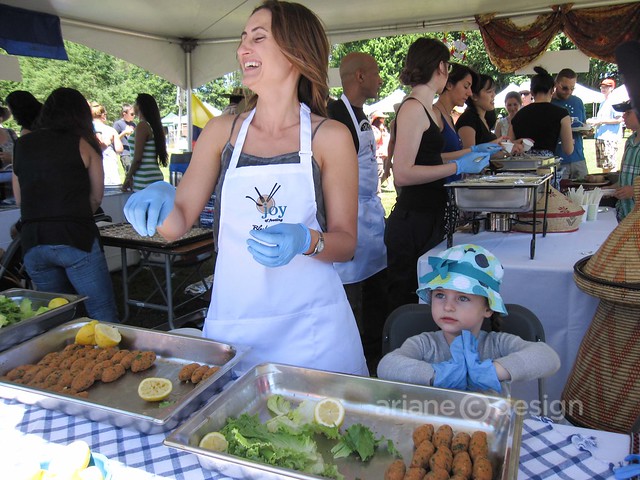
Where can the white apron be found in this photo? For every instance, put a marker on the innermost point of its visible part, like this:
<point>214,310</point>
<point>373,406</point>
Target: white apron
<point>297,314</point>
<point>371,253</point>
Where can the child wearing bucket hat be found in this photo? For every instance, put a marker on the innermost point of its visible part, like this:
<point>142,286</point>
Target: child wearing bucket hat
<point>463,289</point>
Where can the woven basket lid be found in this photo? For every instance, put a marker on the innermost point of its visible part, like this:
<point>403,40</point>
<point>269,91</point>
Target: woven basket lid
<point>563,215</point>
<point>613,272</point>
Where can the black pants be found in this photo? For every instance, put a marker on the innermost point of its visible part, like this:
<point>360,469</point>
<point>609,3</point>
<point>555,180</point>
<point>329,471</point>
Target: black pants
<point>368,300</point>
<point>409,234</point>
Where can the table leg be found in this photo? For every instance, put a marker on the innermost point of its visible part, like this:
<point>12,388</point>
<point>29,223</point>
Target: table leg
<point>168,260</point>
<point>125,283</point>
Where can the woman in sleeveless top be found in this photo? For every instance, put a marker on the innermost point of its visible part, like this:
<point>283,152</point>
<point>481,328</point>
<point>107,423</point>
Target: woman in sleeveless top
<point>416,223</point>
<point>147,146</point>
<point>58,183</point>
<point>287,187</point>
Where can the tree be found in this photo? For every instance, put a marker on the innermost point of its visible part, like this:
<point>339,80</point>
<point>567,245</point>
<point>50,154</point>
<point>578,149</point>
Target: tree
<point>98,76</point>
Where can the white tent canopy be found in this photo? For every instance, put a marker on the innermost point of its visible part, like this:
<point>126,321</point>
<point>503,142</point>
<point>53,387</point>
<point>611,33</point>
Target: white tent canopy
<point>587,95</point>
<point>190,42</point>
<point>386,104</point>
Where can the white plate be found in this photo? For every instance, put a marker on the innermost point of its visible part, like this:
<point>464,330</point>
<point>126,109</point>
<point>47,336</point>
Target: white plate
<point>608,192</point>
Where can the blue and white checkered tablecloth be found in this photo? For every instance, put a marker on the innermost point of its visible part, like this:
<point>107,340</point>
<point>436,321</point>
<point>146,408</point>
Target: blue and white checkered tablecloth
<point>548,451</point>
<point>28,431</point>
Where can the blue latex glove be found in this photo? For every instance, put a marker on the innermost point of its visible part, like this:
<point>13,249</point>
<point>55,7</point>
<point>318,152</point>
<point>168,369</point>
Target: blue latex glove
<point>452,373</point>
<point>147,209</point>
<point>286,241</point>
<point>628,471</point>
<point>472,162</point>
<point>490,148</point>
<point>480,375</point>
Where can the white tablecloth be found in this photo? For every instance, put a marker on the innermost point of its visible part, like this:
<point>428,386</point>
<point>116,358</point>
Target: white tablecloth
<point>545,286</point>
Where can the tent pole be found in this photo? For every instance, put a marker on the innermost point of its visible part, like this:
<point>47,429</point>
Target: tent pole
<point>188,45</point>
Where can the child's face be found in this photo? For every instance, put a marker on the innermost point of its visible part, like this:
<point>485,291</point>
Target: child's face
<point>455,311</point>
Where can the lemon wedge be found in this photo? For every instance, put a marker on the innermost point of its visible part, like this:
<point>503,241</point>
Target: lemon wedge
<point>75,456</point>
<point>57,302</point>
<point>89,473</point>
<point>107,336</point>
<point>214,441</point>
<point>155,389</point>
<point>87,333</point>
<point>329,412</point>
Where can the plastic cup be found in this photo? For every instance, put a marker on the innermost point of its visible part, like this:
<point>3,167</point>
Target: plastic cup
<point>527,143</point>
<point>586,211</point>
<point>592,213</point>
<point>508,146</point>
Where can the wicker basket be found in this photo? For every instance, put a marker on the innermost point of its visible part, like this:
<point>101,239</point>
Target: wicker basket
<point>563,215</point>
<point>613,272</point>
<point>603,388</point>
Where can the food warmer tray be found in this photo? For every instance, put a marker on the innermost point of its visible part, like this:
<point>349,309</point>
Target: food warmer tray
<point>24,330</point>
<point>525,162</point>
<point>391,409</point>
<point>118,403</point>
<point>499,193</point>
<point>507,192</point>
<point>123,234</point>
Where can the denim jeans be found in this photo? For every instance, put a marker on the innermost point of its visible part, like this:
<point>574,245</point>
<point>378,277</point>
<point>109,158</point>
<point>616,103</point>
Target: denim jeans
<point>65,269</point>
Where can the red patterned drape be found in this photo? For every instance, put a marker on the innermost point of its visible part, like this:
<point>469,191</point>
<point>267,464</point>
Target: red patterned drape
<point>598,31</point>
<point>595,31</point>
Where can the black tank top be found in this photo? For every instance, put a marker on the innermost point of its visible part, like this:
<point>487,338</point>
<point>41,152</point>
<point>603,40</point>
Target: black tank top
<point>54,189</point>
<point>426,196</point>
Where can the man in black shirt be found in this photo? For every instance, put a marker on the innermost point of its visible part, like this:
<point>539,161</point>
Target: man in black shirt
<point>364,277</point>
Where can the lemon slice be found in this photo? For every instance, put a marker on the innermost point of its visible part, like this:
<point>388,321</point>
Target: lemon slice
<point>57,302</point>
<point>89,473</point>
<point>154,389</point>
<point>107,336</point>
<point>75,456</point>
<point>329,412</point>
<point>87,333</point>
<point>214,441</point>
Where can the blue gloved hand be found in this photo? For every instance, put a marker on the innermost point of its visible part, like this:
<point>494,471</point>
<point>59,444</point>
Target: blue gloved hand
<point>452,373</point>
<point>490,148</point>
<point>472,162</point>
<point>480,375</point>
<point>147,209</point>
<point>628,471</point>
<point>286,241</point>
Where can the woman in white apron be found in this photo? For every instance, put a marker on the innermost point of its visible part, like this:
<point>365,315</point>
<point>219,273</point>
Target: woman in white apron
<point>277,293</point>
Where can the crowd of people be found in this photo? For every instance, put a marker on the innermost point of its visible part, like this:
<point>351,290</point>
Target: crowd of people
<point>308,270</point>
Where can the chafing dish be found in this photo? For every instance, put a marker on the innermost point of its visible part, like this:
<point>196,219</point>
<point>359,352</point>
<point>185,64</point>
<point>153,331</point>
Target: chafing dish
<point>499,193</point>
<point>525,162</point>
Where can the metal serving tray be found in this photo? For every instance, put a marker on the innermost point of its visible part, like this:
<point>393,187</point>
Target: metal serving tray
<point>499,193</point>
<point>118,403</point>
<point>525,162</point>
<point>19,332</point>
<point>391,409</point>
<point>123,234</point>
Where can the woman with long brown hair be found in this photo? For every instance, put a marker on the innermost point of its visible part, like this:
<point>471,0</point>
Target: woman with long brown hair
<point>417,221</point>
<point>286,184</point>
<point>58,182</point>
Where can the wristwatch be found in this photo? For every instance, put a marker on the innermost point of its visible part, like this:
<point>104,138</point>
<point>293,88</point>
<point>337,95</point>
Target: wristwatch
<point>319,246</point>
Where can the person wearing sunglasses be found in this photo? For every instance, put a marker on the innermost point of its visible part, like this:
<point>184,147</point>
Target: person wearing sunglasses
<point>574,164</point>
